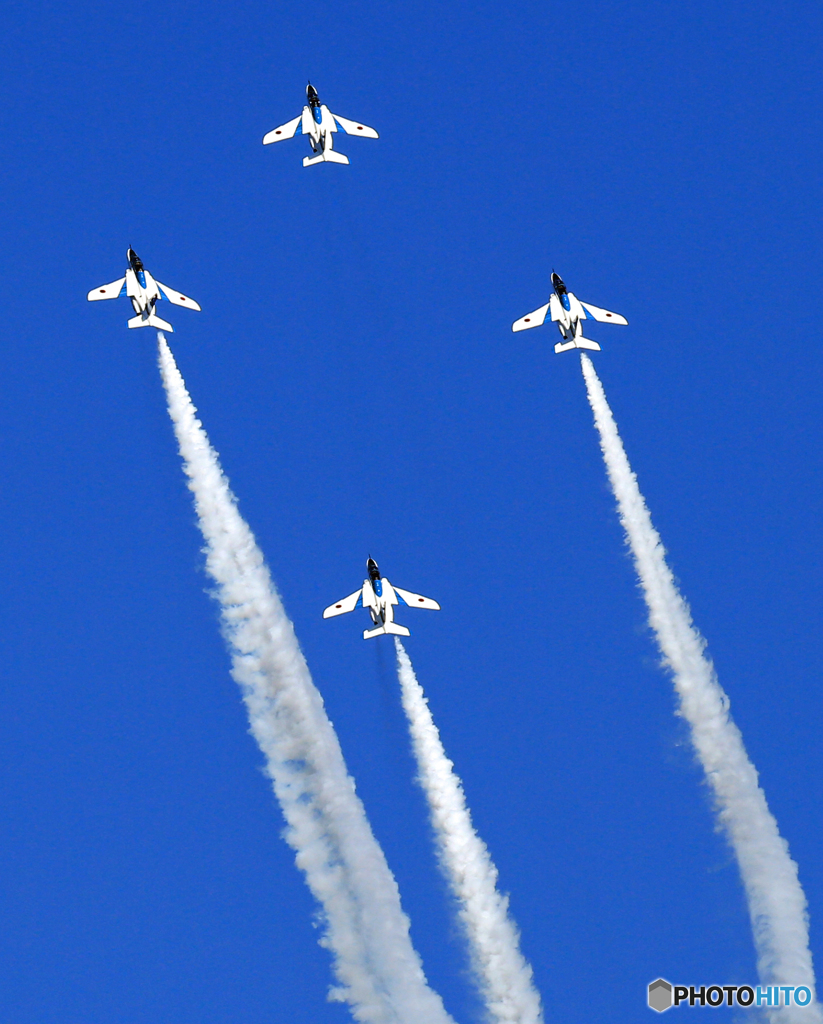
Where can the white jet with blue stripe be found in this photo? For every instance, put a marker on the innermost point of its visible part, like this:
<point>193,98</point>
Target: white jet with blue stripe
<point>144,293</point>
<point>567,312</point>
<point>319,124</point>
<point>380,597</point>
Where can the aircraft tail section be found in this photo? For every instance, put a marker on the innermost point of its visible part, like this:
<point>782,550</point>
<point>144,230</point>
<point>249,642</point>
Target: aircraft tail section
<point>330,156</point>
<point>579,342</point>
<point>153,320</point>
<point>390,627</point>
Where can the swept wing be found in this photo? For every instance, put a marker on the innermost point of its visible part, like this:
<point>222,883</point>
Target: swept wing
<point>416,600</point>
<point>285,131</point>
<point>534,319</point>
<point>176,297</point>
<point>347,604</point>
<point>108,291</point>
<point>355,127</point>
<point>603,315</point>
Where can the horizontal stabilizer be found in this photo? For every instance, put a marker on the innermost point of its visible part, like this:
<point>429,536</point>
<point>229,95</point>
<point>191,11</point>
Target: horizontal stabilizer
<point>329,156</point>
<point>151,321</point>
<point>390,627</point>
<point>592,346</point>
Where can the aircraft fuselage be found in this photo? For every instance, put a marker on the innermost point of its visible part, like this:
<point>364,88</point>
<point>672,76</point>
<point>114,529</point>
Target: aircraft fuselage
<point>566,310</point>
<point>318,122</point>
<point>378,603</point>
<point>141,287</point>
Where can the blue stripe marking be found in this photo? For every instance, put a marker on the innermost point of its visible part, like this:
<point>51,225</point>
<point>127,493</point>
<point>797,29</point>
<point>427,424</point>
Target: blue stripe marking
<point>122,290</point>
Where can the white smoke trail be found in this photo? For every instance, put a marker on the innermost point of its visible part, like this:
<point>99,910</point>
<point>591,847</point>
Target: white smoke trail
<point>504,976</point>
<point>378,971</point>
<point>777,904</point>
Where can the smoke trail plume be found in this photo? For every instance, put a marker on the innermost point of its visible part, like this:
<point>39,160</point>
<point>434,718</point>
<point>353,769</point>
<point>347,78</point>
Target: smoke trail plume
<point>379,973</point>
<point>504,976</point>
<point>777,904</point>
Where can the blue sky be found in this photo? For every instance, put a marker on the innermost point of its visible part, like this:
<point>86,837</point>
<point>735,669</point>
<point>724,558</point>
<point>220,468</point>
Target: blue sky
<point>355,368</point>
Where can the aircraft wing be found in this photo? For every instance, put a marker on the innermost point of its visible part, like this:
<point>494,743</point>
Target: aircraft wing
<point>176,297</point>
<point>355,128</point>
<point>416,601</point>
<point>348,604</point>
<point>603,315</point>
<point>285,131</point>
<point>534,319</point>
<point>108,291</point>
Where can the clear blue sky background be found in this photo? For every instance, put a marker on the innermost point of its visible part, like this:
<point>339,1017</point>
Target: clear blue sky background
<point>355,368</point>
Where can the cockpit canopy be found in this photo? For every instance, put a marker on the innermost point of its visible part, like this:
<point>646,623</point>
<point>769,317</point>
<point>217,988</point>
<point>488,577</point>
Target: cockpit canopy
<point>135,261</point>
<point>311,96</point>
<point>374,572</point>
<point>559,287</point>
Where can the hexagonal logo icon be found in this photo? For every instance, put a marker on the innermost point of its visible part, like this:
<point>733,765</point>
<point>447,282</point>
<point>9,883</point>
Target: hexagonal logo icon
<point>660,995</point>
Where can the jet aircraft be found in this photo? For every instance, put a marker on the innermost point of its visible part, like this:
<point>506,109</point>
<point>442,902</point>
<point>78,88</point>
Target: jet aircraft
<point>567,311</point>
<point>380,597</point>
<point>320,124</point>
<point>144,293</point>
